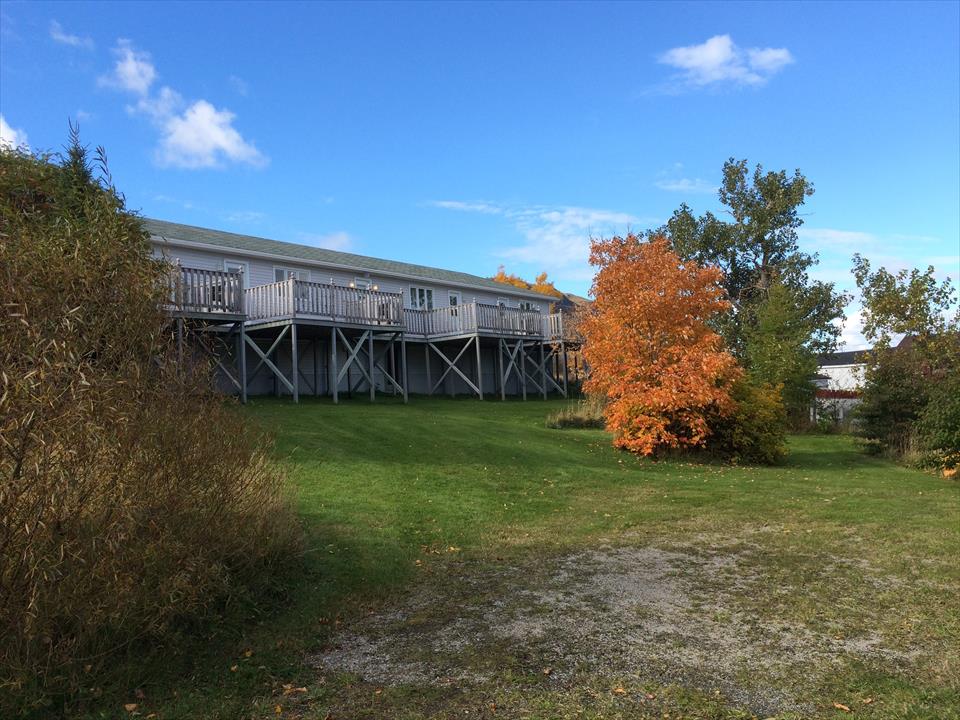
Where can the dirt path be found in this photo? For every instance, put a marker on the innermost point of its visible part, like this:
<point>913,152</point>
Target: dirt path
<point>705,616</point>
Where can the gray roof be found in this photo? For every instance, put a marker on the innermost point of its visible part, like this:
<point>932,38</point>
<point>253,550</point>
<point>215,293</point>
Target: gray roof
<point>848,357</point>
<point>250,243</point>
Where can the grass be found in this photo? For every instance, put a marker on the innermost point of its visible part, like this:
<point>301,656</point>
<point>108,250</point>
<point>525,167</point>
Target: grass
<point>396,498</point>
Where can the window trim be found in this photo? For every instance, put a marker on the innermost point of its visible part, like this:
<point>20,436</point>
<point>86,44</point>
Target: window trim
<point>454,294</point>
<point>246,270</point>
<point>286,273</point>
<point>429,305</point>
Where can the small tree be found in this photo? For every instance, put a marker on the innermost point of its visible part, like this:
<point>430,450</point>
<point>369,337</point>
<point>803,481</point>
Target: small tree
<point>652,353</point>
<point>900,382</point>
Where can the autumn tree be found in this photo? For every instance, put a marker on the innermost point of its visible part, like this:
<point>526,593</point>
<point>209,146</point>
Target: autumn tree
<point>540,283</point>
<point>652,352</point>
<point>779,319</point>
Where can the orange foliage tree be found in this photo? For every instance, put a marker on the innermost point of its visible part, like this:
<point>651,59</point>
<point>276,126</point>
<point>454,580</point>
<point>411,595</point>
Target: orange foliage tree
<point>540,283</point>
<point>663,371</point>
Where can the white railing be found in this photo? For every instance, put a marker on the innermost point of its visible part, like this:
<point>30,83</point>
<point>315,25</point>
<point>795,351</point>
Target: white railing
<point>553,326</point>
<point>193,290</point>
<point>457,320</point>
<point>300,298</point>
<point>509,321</point>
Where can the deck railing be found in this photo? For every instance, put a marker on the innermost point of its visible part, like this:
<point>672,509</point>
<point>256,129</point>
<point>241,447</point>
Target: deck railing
<point>301,298</point>
<point>509,321</point>
<point>215,292</point>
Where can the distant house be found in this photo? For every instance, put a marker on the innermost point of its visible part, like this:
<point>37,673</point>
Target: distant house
<point>286,318</point>
<point>839,382</point>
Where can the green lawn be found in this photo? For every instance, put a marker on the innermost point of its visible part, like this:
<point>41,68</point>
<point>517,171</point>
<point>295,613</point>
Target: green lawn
<point>452,515</point>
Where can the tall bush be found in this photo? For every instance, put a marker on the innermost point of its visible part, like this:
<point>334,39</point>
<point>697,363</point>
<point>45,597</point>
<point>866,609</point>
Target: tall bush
<point>652,353</point>
<point>130,496</point>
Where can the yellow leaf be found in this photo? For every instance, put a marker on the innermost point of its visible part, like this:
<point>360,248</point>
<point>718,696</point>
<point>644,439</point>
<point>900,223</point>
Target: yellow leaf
<point>278,709</point>
<point>233,668</point>
<point>619,690</point>
<point>130,707</point>
<point>841,706</point>
<point>247,653</point>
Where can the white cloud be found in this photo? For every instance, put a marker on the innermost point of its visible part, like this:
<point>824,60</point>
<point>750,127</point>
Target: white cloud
<point>239,85</point>
<point>720,60</point>
<point>192,135</point>
<point>686,185</point>
<point>341,240</point>
<point>555,239</point>
<point>58,34</point>
<point>481,207</point>
<point>133,70</point>
<point>12,137</point>
<point>201,136</point>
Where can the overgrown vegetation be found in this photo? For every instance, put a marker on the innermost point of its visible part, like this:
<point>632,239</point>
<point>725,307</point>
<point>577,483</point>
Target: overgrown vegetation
<point>131,497</point>
<point>909,406</point>
<point>585,413</point>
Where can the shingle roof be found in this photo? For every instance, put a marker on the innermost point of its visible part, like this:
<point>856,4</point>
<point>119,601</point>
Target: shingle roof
<point>848,357</point>
<point>250,243</point>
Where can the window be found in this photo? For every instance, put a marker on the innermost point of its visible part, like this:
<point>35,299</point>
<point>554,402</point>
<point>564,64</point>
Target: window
<point>527,305</point>
<point>282,273</point>
<point>502,302</point>
<point>240,267</point>
<point>362,284</point>
<point>421,298</point>
<point>454,297</point>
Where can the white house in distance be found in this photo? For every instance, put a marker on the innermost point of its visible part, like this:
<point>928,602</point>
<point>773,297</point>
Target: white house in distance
<point>284,318</point>
<point>839,383</point>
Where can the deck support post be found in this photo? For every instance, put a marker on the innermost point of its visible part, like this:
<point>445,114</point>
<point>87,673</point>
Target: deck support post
<point>393,365</point>
<point>500,378</point>
<point>479,369</point>
<point>316,368</point>
<point>523,369</point>
<point>334,376</point>
<point>180,341</point>
<point>373,386</point>
<point>563,359</point>
<point>294,360</point>
<point>242,361</point>
<point>403,361</point>
<point>426,354</point>
<point>543,372</point>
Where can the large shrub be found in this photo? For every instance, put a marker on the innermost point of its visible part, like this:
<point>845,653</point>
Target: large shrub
<point>653,355</point>
<point>130,496</point>
<point>938,430</point>
<point>755,432</point>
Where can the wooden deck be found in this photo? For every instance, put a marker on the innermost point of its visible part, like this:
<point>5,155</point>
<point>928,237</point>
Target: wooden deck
<point>206,294</point>
<point>334,305</point>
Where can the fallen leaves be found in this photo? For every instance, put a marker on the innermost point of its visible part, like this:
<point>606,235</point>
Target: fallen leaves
<point>841,706</point>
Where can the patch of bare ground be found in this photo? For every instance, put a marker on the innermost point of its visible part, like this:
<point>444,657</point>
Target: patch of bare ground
<point>711,617</point>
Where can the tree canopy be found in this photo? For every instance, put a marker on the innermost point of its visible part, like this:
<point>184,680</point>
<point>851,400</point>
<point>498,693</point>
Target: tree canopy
<point>779,319</point>
<point>653,355</point>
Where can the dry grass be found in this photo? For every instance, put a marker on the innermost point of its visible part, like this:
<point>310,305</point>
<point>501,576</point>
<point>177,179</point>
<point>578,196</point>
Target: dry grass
<point>130,496</point>
<point>585,414</point>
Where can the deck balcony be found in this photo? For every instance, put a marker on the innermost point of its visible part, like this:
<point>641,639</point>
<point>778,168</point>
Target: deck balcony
<point>219,294</point>
<point>327,304</point>
<point>206,294</point>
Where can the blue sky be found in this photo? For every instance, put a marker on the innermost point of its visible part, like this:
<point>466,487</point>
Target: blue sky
<point>473,135</point>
